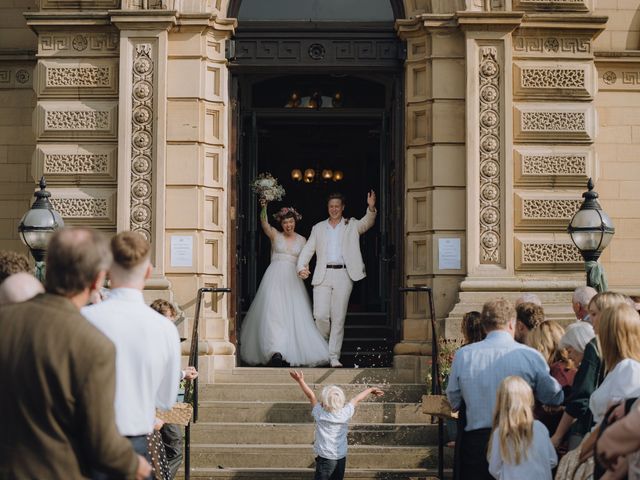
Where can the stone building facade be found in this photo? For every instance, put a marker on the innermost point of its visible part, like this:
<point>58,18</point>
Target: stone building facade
<point>509,106</point>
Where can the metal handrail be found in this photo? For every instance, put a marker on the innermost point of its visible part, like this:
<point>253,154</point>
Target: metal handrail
<point>436,385</point>
<point>191,387</point>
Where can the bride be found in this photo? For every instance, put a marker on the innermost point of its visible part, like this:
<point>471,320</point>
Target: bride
<point>279,325</point>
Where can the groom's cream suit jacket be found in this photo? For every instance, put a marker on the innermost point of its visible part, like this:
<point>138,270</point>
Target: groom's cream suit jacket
<point>317,244</point>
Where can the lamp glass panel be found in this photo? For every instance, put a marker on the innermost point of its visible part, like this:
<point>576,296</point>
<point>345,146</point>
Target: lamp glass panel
<point>587,241</point>
<point>586,219</point>
<point>37,239</point>
<point>39,218</point>
<point>606,239</point>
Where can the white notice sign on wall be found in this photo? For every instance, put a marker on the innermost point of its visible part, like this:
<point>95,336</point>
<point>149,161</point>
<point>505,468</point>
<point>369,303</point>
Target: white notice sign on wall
<point>181,251</point>
<point>449,255</point>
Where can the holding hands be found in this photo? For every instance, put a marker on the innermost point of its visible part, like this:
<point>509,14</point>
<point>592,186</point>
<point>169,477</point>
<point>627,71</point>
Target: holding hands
<point>304,274</point>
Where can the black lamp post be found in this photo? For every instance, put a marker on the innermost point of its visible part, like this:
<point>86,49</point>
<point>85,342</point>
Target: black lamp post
<point>591,230</point>
<point>37,226</point>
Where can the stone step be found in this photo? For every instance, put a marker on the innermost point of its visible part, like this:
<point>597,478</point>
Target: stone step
<point>301,456</point>
<point>300,433</point>
<point>307,474</point>
<point>283,392</point>
<point>300,412</point>
<point>323,376</point>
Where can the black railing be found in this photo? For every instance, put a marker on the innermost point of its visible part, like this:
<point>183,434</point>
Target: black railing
<point>191,387</point>
<point>436,386</point>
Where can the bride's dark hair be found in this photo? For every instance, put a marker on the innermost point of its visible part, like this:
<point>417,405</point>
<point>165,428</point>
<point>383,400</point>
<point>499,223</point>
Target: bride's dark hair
<point>287,212</point>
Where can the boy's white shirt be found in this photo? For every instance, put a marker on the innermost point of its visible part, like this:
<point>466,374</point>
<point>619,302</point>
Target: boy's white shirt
<point>331,431</point>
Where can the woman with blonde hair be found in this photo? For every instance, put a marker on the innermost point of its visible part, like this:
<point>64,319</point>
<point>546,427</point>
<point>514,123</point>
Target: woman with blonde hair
<point>519,446</point>
<point>619,332</point>
<point>587,379</point>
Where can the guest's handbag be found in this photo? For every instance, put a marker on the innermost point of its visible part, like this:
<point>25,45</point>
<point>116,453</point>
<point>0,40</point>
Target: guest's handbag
<point>180,414</point>
<point>573,468</point>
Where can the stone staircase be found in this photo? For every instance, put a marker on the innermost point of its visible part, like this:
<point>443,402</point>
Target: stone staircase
<point>255,423</point>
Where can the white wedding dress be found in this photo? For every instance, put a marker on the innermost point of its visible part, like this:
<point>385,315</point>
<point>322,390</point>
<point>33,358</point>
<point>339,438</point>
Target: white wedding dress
<point>280,319</point>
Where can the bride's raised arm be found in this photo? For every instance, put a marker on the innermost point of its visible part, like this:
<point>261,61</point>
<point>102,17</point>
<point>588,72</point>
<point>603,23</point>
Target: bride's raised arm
<point>268,230</point>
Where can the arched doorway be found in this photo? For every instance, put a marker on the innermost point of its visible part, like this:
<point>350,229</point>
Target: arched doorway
<point>318,85</point>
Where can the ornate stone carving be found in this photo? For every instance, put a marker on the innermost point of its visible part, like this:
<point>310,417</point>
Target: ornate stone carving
<point>547,45</point>
<point>545,5</point>
<point>78,44</point>
<point>549,253</point>
<point>81,207</point>
<point>531,77</point>
<point>552,209</point>
<point>619,79</point>
<point>77,120</point>
<point>553,122</point>
<point>546,165</point>
<point>142,141</point>
<point>15,77</point>
<point>78,164</point>
<point>78,77</point>
<point>490,156</point>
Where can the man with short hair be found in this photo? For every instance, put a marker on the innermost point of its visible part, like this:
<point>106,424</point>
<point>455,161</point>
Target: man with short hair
<point>12,262</point>
<point>147,344</point>
<point>19,287</point>
<point>336,244</point>
<point>476,373</point>
<point>580,302</point>
<point>57,374</point>
<point>528,317</point>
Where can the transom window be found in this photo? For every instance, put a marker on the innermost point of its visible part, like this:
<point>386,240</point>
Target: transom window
<point>317,10</point>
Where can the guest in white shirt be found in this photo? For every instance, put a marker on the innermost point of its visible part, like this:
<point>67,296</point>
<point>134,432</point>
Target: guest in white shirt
<point>520,447</point>
<point>147,343</point>
<point>619,332</point>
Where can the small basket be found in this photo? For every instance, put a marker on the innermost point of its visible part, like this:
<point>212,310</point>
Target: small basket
<point>180,414</point>
<point>438,406</point>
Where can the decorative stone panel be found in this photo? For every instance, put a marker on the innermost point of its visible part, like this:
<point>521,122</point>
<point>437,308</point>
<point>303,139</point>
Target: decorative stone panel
<point>418,258</point>
<point>553,5</point>
<point>419,212</point>
<point>553,252</point>
<point>552,46</point>
<point>554,165</point>
<point>419,131</point>
<point>72,163</point>
<point>73,78</point>
<point>16,76</point>
<point>571,122</point>
<point>77,120</point>
<point>78,44</point>
<point>545,210</point>
<point>490,148</point>
<point>418,167</point>
<point>623,78</point>
<point>89,206</point>
<point>79,4</point>
<point>548,80</point>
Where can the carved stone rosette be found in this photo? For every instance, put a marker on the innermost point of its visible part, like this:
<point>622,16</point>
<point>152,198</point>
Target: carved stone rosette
<point>490,222</point>
<point>142,141</point>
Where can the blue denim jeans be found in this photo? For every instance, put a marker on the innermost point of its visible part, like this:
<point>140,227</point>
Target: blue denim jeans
<point>327,469</point>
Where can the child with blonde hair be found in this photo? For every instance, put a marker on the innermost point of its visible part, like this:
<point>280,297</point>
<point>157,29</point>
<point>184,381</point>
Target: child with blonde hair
<point>332,415</point>
<point>519,447</point>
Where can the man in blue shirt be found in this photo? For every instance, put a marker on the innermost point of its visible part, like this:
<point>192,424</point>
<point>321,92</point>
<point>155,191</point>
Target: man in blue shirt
<point>476,373</point>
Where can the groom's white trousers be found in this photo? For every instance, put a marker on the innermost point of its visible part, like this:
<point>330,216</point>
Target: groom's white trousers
<point>330,302</point>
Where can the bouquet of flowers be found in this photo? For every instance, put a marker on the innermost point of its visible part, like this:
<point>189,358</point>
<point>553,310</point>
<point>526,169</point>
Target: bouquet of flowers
<point>267,187</point>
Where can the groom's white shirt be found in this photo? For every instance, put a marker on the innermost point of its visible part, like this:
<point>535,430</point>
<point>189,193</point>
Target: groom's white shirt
<point>351,254</point>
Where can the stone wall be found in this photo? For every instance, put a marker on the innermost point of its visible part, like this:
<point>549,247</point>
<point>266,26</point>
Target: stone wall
<point>17,102</point>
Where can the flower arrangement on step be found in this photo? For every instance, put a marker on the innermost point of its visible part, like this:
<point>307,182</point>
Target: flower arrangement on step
<point>267,187</point>
<point>437,404</point>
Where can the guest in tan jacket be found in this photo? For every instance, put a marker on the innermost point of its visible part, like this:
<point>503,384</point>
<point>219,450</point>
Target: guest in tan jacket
<point>57,375</point>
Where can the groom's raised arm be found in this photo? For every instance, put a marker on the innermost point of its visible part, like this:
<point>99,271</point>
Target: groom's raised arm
<point>307,252</point>
<point>366,222</point>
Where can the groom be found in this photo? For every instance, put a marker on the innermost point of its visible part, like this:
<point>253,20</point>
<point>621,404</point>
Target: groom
<point>336,243</point>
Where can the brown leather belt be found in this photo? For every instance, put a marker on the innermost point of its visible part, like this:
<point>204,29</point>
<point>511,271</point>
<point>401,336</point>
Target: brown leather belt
<point>336,266</point>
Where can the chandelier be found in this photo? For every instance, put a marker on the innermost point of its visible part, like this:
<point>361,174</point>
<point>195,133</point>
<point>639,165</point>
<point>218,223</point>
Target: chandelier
<point>311,175</point>
<point>314,101</point>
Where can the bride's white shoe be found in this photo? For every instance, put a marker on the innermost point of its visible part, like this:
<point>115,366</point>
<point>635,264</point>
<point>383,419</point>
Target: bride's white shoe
<point>335,364</point>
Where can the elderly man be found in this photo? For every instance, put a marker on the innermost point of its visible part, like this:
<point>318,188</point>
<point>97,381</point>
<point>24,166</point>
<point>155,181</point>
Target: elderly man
<point>19,287</point>
<point>57,375</point>
<point>147,343</point>
<point>580,302</point>
<point>476,373</point>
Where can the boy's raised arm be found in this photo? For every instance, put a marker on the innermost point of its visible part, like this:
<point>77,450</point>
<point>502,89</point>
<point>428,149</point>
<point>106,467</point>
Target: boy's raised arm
<point>364,394</point>
<point>298,376</point>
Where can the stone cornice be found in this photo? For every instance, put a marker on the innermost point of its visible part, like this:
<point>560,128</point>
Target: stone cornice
<point>204,20</point>
<point>143,19</point>
<point>65,20</point>
<point>627,56</point>
<point>587,23</point>
<point>490,21</point>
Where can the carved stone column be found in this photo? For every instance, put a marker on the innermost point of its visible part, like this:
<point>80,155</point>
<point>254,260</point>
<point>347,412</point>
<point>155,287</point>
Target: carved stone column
<point>142,128</point>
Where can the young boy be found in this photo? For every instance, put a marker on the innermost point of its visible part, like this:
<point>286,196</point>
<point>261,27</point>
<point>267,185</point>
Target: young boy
<point>332,418</point>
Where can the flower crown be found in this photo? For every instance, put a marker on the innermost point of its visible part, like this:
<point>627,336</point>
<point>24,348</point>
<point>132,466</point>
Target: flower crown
<point>287,211</point>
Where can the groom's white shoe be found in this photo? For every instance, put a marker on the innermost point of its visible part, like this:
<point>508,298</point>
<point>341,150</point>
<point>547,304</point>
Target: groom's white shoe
<point>335,364</point>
